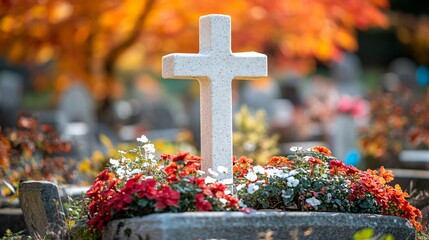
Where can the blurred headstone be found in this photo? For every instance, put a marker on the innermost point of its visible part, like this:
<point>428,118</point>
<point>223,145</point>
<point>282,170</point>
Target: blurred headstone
<point>347,77</point>
<point>42,208</point>
<point>11,88</point>
<point>346,74</point>
<point>76,119</point>
<point>405,69</point>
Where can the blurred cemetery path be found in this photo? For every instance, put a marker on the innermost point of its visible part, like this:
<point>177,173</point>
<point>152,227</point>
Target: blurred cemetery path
<point>92,68</point>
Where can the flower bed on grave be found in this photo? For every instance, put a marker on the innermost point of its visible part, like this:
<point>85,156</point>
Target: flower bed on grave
<point>140,184</point>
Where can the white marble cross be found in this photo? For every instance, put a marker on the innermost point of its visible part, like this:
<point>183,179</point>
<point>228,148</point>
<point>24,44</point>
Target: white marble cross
<point>215,66</point>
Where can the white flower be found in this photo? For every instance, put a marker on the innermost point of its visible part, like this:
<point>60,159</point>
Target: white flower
<point>200,172</point>
<point>294,149</point>
<point>241,204</point>
<point>142,139</point>
<point>252,188</point>
<point>227,192</point>
<point>251,176</point>
<point>209,180</point>
<point>293,172</point>
<point>114,162</point>
<point>314,202</point>
<point>222,169</point>
<point>120,172</point>
<point>259,169</point>
<point>324,175</point>
<point>122,152</point>
<point>240,186</point>
<point>213,173</point>
<point>227,181</point>
<point>292,182</point>
<point>135,171</point>
<point>149,148</point>
<point>285,195</point>
<point>223,201</point>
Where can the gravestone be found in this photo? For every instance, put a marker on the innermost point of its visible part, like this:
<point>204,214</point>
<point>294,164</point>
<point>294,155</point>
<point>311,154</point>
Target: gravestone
<point>11,88</point>
<point>76,119</point>
<point>42,208</point>
<point>215,66</point>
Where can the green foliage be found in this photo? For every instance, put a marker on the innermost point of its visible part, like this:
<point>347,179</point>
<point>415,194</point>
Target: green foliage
<point>251,137</point>
<point>368,233</point>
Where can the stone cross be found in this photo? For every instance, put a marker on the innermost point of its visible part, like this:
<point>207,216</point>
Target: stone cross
<point>215,66</point>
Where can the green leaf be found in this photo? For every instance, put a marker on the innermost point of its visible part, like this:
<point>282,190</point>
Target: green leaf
<point>364,234</point>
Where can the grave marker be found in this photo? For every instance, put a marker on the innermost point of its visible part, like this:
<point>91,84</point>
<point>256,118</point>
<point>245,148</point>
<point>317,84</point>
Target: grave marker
<point>215,66</point>
<point>41,205</point>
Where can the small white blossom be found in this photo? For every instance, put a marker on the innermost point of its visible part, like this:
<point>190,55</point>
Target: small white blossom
<point>252,188</point>
<point>294,149</point>
<point>241,204</point>
<point>227,192</point>
<point>251,176</point>
<point>314,202</point>
<point>222,169</point>
<point>324,175</point>
<point>285,195</point>
<point>209,180</point>
<point>149,148</point>
<point>142,139</point>
<point>227,181</point>
<point>293,172</point>
<point>223,201</point>
<point>120,172</point>
<point>292,182</point>
<point>122,152</point>
<point>114,162</point>
<point>200,172</point>
<point>135,171</point>
<point>259,169</point>
<point>213,173</point>
<point>240,186</point>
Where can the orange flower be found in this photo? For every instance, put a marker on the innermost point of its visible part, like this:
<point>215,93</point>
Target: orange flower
<point>322,150</point>
<point>279,161</point>
<point>386,174</point>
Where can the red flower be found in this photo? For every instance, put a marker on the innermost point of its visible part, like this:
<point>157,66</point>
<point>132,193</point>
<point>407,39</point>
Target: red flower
<point>105,175</point>
<point>202,204</point>
<point>121,201</point>
<point>146,188</point>
<point>167,197</point>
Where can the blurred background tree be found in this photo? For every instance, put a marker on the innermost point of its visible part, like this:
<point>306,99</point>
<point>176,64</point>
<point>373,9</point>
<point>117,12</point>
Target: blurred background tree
<point>62,42</point>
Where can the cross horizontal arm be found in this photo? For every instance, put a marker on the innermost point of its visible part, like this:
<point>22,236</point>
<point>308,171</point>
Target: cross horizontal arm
<point>184,65</point>
<point>250,65</point>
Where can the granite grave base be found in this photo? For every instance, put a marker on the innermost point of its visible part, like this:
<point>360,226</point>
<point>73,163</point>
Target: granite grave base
<point>256,225</point>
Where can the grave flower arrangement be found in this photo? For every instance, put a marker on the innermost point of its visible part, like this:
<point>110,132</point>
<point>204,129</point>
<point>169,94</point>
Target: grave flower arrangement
<point>314,180</point>
<point>140,183</point>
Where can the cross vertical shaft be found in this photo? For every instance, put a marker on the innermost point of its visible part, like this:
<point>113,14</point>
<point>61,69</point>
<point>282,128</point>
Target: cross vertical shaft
<point>215,66</point>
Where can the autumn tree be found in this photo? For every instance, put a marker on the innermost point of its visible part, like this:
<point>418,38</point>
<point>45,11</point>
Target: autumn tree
<point>89,41</point>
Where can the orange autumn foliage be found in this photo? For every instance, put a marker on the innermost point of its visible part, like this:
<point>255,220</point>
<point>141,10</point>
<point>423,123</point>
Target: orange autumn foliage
<point>89,40</point>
